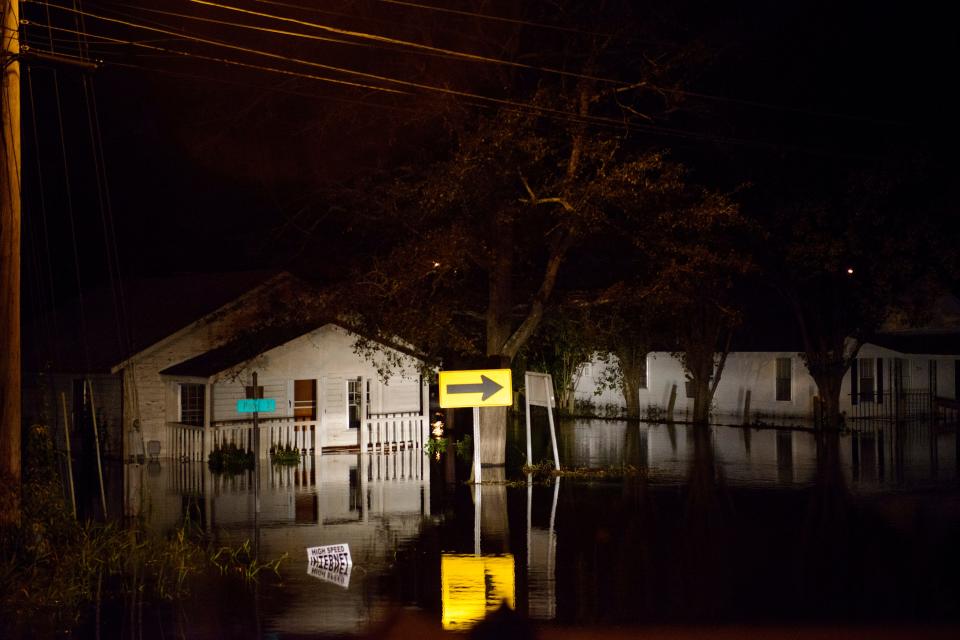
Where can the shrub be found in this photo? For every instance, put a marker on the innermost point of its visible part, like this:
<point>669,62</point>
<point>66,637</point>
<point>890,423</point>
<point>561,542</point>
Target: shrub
<point>285,455</point>
<point>230,458</point>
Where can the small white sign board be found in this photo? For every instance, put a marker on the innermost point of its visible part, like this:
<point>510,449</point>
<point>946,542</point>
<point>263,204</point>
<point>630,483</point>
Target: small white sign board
<point>539,393</point>
<point>331,563</point>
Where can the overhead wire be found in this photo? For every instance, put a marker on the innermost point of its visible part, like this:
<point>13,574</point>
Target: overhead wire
<point>234,47</point>
<point>347,71</point>
<point>228,61</point>
<point>622,123</point>
<point>519,107</point>
<point>407,43</point>
<point>623,85</point>
<point>104,201</point>
<point>472,14</point>
<point>68,192</point>
<point>53,345</point>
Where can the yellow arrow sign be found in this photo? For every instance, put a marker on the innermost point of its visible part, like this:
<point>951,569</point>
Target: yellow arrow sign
<point>476,388</point>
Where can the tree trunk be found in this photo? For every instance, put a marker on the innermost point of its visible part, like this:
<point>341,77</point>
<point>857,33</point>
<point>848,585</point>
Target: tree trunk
<point>828,388</point>
<point>702,399</point>
<point>493,420</point>
<point>633,369</point>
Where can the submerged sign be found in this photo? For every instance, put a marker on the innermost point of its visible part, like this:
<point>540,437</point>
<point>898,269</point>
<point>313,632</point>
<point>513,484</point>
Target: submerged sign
<point>476,388</point>
<point>258,405</point>
<point>334,558</point>
<point>338,578</point>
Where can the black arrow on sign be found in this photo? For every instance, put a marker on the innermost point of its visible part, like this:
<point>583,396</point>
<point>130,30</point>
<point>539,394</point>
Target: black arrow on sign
<point>486,386</point>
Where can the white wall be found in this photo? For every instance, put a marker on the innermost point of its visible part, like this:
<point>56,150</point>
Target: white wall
<point>148,396</point>
<point>326,356</point>
<point>756,372</point>
<point>753,372</point>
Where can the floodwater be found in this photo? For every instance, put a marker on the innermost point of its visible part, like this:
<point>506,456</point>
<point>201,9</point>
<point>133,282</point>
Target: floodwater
<point>712,526</point>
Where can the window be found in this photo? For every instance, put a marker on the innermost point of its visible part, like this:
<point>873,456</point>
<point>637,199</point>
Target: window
<point>784,379</point>
<point>689,388</point>
<point>585,370</point>
<point>191,404</point>
<point>353,402</point>
<point>867,379</point>
<point>643,372</point>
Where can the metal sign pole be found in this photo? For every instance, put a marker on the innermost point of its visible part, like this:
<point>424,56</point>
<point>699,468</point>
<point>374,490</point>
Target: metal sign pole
<point>96,440</point>
<point>476,445</point>
<point>526,402</point>
<point>66,431</point>
<point>553,431</point>
<point>256,447</point>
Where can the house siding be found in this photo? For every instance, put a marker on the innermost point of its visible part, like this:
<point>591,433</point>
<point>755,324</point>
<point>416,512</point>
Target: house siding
<point>756,373</point>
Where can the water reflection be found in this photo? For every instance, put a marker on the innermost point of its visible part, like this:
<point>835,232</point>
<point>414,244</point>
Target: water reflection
<point>472,586</point>
<point>376,503</point>
<point>719,524</point>
<point>873,456</point>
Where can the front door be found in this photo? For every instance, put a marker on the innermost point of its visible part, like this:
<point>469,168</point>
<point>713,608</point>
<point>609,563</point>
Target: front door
<point>304,400</point>
<point>334,403</point>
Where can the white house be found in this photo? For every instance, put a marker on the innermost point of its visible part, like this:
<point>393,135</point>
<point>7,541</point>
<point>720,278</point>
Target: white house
<point>180,391</point>
<point>896,375</point>
<point>324,393</point>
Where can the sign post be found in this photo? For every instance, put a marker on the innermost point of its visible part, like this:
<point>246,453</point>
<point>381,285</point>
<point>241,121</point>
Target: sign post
<point>476,388</point>
<point>539,388</point>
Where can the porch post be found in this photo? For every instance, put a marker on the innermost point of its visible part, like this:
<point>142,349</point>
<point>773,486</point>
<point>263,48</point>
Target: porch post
<point>363,414</point>
<point>207,421</point>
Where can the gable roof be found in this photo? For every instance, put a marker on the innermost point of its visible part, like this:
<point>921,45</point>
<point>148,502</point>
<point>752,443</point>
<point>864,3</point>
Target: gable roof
<point>89,338</point>
<point>239,350</point>
<point>249,345</point>
<point>933,343</point>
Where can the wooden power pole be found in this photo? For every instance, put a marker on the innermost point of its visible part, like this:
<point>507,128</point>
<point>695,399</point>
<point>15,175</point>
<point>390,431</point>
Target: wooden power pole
<point>10,382</point>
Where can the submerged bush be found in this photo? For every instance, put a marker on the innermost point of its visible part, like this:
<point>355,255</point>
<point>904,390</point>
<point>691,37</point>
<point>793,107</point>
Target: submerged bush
<point>230,458</point>
<point>285,455</point>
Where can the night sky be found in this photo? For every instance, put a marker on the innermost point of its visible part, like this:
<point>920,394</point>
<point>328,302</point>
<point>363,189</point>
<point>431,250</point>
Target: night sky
<point>209,166</point>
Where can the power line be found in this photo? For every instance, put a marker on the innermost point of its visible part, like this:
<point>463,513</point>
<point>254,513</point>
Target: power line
<point>560,114</point>
<point>471,14</point>
<point>362,74</point>
<point>508,105</point>
<point>241,25</point>
<point>223,60</point>
<point>406,43</point>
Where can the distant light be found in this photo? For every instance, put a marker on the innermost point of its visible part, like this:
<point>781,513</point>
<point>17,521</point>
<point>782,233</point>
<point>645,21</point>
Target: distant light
<point>850,271</point>
<point>435,264</point>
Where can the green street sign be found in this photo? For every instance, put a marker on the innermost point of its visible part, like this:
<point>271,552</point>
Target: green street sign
<point>260,405</point>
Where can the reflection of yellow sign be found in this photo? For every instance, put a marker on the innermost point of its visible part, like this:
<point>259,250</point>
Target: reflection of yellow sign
<point>472,586</point>
<point>476,388</point>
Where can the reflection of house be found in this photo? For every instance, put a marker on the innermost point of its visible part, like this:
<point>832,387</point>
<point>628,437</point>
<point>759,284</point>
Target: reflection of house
<point>895,375</point>
<point>374,502</point>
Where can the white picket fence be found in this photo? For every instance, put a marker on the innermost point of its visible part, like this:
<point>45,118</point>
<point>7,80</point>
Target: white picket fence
<point>387,432</point>
<point>393,432</point>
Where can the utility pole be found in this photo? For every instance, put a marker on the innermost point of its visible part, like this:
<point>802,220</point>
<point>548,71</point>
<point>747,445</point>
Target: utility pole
<point>10,382</point>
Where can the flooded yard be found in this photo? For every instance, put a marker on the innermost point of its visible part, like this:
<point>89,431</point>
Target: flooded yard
<point>721,525</point>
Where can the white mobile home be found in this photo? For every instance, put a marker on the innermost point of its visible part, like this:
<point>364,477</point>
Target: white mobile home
<point>895,375</point>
